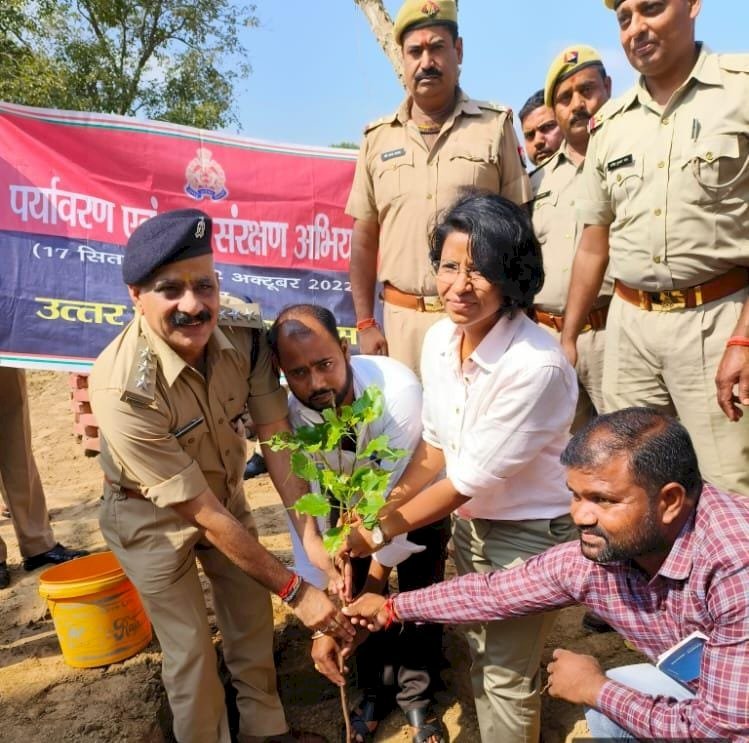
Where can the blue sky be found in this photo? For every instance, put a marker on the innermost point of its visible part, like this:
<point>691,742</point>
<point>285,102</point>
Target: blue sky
<point>319,75</point>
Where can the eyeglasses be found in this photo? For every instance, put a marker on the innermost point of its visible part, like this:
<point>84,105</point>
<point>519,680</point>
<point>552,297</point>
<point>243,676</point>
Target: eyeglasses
<point>449,272</point>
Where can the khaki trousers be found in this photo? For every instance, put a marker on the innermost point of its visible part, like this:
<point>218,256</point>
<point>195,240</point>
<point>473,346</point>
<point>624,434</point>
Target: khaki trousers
<point>506,655</point>
<point>668,361</point>
<point>157,550</point>
<point>589,368</point>
<point>19,477</point>
<point>404,331</point>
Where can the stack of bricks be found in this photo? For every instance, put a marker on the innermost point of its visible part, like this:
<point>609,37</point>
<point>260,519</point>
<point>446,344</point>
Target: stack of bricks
<point>84,423</point>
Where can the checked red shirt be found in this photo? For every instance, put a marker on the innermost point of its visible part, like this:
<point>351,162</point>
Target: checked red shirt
<point>702,585</point>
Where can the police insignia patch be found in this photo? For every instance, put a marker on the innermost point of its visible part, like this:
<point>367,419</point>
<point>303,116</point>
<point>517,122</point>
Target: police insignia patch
<point>430,8</point>
<point>200,229</point>
<point>571,57</point>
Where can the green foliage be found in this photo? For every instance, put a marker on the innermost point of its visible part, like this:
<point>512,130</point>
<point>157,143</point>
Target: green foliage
<point>346,145</point>
<point>163,59</point>
<point>317,456</point>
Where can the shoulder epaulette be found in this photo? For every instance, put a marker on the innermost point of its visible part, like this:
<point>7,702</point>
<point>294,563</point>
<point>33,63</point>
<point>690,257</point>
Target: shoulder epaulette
<point>140,387</point>
<point>609,109</point>
<point>734,62</point>
<point>237,313</point>
<point>379,122</point>
<point>493,106</point>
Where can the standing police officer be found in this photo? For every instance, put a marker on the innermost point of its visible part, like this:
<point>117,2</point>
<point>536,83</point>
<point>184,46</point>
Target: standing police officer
<point>666,199</point>
<point>412,165</point>
<point>170,394</point>
<point>576,87</point>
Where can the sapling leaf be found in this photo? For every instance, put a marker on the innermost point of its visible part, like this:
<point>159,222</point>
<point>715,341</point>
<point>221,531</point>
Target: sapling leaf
<point>282,440</point>
<point>312,504</point>
<point>392,455</point>
<point>375,446</point>
<point>334,538</point>
<point>368,508</point>
<point>304,467</point>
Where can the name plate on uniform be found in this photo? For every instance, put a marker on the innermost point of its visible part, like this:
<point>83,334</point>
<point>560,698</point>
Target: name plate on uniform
<point>620,162</point>
<point>390,154</point>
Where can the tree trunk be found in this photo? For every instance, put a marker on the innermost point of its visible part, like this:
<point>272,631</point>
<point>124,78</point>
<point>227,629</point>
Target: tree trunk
<point>382,27</point>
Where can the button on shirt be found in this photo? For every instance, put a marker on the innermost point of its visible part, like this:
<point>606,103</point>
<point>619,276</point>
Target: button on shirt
<point>673,182</point>
<point>556,186</point>
<point>702,585</point>
<point>501,417</point>
<point>141,451</point>
<point>402,184</point>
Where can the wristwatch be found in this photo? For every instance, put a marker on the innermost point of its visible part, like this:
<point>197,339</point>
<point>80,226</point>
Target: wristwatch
<point>378,536</point>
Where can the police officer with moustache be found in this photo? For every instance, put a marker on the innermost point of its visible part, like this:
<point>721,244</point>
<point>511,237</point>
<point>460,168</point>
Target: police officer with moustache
<point>666,206</point>
<point>412,164</point>
<point>169,394</point>
<point>576,87</point>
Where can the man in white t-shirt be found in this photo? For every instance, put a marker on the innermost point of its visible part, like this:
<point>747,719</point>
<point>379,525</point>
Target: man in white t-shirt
<point>320,372</point>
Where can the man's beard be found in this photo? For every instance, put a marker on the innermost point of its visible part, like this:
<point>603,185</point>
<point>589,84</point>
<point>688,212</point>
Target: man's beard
<point>329,398</point>
<point>646,539</point>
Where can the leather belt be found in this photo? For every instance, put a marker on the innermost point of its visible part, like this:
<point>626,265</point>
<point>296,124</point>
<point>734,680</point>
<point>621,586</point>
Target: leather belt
<point>411,301</point>
<point>596,319</point>
<point>127,492</point>
<point>693,296</point>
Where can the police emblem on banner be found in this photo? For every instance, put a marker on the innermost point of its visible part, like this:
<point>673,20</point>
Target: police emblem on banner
<point>205,177</point>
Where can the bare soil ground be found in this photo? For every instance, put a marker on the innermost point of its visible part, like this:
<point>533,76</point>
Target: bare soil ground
<point>42,699</point>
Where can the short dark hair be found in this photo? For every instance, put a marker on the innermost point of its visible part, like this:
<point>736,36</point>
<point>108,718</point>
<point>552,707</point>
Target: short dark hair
<point>322,314</point>
<point>501,242</point>
<point>534,102</point>
<point>658,448</point>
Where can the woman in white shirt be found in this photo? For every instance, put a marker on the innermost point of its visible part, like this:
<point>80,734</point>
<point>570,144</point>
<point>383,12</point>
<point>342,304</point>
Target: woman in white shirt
<point>499,398</point>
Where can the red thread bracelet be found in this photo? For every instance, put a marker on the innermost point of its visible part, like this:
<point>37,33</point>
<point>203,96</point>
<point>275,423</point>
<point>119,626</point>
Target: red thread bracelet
<point>286,590</point>
<point>367,323</point>
<point>392,616</point>
<point>738,340</point>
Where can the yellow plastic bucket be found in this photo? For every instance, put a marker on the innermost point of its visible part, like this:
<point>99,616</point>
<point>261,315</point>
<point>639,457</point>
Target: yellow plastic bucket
<point>97,612</point>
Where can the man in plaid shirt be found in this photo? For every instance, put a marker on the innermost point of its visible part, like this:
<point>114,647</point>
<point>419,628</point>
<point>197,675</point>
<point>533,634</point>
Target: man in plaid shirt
<point>661,554</point>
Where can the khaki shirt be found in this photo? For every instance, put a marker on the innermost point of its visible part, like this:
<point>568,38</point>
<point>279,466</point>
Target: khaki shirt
<point>673,182</point>
<point>141,401</point>
<point>556,185</point>
<point>402,185</point>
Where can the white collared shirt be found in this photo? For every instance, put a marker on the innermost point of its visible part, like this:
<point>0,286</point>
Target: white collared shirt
<point>400,421</point>
<point>501,418</point>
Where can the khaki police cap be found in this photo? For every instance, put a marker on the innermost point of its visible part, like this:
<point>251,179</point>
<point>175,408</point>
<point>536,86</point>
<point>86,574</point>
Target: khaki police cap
<point>611,4</point>
<point>422,13</point>
<point>568,62</point>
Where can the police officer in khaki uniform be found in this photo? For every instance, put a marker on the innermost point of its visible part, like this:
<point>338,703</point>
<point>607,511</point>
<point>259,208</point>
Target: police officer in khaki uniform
<point>576,87</point>
<point>666,205</point>
<point>412,165</point>
<point>20,482</point>
<point>169,394</point>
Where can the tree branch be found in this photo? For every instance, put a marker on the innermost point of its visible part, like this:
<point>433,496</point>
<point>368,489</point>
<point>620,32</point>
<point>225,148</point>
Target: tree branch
<point>382,27</point>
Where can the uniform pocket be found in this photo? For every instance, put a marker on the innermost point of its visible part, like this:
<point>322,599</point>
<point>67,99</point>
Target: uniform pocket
<point>543,206</point>
<point>393,178</point>
<point>716,164</point>
<point>624,183</point>
<point>471,164</point>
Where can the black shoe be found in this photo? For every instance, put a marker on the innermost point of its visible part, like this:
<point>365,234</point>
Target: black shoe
<point>256,466</point>
<point>593,623</point>
<point>56,556</point>
<point>4,575</point>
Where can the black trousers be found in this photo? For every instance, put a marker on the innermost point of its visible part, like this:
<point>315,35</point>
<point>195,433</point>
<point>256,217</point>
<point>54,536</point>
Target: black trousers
<point>410,653</point>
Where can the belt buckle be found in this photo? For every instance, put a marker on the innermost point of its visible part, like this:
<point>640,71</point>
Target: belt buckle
<point>585,328</point>
<point>666,301</point>
<point>432,304</point>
